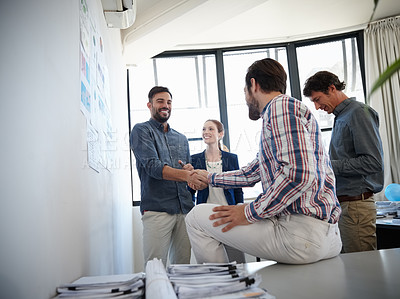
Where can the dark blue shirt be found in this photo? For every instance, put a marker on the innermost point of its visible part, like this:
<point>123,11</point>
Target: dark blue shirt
<point>153,149</point>
<point>356,149</point>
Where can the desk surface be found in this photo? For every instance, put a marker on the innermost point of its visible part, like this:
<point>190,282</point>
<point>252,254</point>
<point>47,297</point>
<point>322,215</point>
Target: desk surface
<point>388,221</point>
<point>371,274</point>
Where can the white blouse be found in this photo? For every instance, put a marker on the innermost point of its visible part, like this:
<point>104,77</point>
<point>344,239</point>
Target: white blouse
<point>216,195</point>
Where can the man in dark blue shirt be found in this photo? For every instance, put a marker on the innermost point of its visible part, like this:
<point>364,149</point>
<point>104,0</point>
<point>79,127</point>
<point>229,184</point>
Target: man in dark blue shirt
<point>165,200</point>
<point>357,158</point>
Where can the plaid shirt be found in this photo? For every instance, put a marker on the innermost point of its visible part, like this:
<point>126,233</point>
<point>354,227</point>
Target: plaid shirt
<point>292,165</point>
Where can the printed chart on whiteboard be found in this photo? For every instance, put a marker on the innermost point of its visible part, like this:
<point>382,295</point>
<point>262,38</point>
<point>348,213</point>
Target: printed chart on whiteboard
<point>95,93</point>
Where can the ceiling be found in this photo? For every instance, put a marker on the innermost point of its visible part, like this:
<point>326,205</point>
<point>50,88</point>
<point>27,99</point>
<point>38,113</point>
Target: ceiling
<point>163,25</point>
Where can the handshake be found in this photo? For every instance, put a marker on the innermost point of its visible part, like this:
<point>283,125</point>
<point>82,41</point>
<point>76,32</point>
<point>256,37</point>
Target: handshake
<point>197,179</point>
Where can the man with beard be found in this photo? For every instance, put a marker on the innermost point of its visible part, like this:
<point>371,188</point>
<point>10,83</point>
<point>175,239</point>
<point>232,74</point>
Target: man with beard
<point>295,219</point>
<point>160,151</point>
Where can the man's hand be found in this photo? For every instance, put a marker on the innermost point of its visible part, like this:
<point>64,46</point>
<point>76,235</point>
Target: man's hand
<point>202,175</point>
<point>230,215</point>
<point>187,166</point>
<point>196,182</point>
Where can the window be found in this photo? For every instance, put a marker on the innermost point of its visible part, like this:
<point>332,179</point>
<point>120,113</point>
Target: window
<point>209,84</point>
<point>339,57</point>
<point>193,84</point>
<point>244,134</point>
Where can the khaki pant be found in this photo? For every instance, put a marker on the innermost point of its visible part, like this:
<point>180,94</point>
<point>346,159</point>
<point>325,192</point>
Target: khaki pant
<point>294,239</point>
<point>357,225</point>
<point>165,235</point>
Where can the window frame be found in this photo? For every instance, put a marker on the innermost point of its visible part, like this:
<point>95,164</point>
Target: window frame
<point>294,80</point>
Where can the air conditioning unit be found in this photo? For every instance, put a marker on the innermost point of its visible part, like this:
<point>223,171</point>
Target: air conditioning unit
<point>119,13</point>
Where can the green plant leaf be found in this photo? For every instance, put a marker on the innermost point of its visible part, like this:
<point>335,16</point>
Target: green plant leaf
<point>385,76</point>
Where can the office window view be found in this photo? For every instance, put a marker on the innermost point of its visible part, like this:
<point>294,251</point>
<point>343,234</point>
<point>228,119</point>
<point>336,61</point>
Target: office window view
<point>339,57</point>
<point>244,134</point>
<point>209,85</point>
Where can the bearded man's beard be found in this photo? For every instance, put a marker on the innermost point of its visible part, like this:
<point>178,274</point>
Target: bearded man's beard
<point>254,111</point>
<point>162,119</point>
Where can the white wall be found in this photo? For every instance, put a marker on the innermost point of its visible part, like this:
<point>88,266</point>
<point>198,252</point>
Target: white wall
<point>59,219</point>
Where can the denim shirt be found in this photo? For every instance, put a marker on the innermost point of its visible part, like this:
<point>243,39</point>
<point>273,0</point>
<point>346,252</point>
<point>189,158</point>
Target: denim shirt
<point>356,149</point>
<point>153,149</point>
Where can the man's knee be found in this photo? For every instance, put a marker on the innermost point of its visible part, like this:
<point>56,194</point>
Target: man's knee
<point>189,217</point>
<point>198,213</point>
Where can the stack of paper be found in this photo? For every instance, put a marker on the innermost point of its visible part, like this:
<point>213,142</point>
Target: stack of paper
<point>216,281</point>
<point>108,286</point>
<point>229,280</point>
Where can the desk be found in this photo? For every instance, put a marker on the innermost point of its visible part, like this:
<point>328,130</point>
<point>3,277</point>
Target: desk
<point>369,274</point>
<point>387,233</point>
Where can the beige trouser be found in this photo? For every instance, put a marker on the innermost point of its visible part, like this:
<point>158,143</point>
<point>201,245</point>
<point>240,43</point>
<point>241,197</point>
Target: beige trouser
<point>165,233</point>
<point>294,239</point>
<point>357,225</point>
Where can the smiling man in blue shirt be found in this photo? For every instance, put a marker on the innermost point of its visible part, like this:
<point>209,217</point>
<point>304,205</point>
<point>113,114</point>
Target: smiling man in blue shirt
<point>165,200</point>
<point>357,159</point>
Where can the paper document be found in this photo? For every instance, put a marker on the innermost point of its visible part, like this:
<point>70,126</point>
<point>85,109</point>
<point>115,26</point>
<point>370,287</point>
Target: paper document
<point>107,286</point>
<point>183,281</point>
<point>228,280</point>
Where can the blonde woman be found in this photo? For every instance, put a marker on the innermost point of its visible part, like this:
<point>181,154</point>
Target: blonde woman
<point>215,159</point>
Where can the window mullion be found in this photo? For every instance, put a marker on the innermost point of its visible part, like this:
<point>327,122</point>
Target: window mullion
<point>293,71</point>
<point>219,61</point>
<point>345,72</point>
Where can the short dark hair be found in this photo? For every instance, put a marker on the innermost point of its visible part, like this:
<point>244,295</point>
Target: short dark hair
<point>269,74</point>
<point>158,89</point>
<point>321,81</point>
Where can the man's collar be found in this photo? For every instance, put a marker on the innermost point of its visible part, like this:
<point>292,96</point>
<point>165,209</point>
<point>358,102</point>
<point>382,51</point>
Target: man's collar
<point>269,102</point>
<point>157,124</point>
<point>339,108</point>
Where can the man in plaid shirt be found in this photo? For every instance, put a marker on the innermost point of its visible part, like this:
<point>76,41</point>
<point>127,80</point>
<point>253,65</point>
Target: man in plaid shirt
<point>295,219</point>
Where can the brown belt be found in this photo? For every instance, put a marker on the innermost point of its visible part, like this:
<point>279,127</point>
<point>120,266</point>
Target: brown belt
<point>363,196</point>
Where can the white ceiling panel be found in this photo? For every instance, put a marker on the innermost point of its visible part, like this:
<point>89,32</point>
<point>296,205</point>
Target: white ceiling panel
<point>163,25</point>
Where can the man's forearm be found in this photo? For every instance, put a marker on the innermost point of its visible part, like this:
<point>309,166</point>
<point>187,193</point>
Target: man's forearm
<point>182,175</point>
<point>173,174</point>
